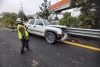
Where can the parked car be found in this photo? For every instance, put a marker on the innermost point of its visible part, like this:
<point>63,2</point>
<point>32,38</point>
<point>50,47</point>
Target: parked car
<point>43,28</point>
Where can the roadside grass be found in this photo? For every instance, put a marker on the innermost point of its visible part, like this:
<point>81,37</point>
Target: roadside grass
<point>0,24</point>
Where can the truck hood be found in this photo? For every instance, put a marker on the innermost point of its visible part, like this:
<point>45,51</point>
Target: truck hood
<point>57,26</point>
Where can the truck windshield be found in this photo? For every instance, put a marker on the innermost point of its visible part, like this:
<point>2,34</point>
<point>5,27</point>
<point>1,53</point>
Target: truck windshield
<point>46,22</point>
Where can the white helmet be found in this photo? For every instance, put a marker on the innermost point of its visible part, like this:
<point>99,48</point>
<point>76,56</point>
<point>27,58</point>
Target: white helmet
<point>19,20</point>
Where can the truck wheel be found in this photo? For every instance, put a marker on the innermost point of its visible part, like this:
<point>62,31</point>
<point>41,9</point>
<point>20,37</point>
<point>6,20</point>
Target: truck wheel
<point>50,37</point>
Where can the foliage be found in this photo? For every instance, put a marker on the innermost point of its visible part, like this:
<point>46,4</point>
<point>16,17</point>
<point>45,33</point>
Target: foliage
<point>22,15</point>
<point>30,17</point>
<point>45,10</point>
<point>0,19</point>
<point>74,3</point>
<point>69,21</point>
<point>9,18</point>
<point>88,20</point>
<point>87,17</point>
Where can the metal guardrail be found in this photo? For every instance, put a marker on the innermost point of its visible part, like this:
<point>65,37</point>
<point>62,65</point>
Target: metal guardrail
<point>84,32</point>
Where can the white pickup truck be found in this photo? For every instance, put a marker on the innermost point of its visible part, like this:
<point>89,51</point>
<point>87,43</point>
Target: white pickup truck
<point>43,28</point>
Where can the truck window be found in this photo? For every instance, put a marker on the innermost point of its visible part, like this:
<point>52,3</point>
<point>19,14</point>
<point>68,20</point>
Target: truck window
<point>38,21</point>
<point>46,22</point>
<point>32,21</point>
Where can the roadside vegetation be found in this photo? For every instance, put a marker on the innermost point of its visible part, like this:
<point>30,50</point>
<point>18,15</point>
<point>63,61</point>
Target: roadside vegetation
<point>69,20</point>
<point>45,10</point>
<point>89,17</point>
<point>8,19</point>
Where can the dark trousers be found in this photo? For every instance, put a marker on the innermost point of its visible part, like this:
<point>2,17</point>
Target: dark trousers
<point>24,44</point>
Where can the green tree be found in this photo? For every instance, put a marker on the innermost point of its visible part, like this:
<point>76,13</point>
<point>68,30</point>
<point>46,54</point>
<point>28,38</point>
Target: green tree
<point>88,17</point>
<point>63,21</point>
<point>96,5</point>
<point>69,21</point>
<point>30,17</point>
<point>45,10</point>
<point>0,19</point>
<point>9,18</point>
<point>21,14</point>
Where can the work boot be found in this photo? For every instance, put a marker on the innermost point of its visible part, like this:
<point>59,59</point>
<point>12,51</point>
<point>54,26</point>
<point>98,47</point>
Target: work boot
<point>29,49</point>
<point>22,52</point>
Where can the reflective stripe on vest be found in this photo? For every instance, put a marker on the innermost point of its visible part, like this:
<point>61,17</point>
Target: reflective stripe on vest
<point>19,33</point>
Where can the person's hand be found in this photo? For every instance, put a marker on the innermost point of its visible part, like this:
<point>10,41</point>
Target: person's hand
<point>21,39</point>
<point>27,38</point>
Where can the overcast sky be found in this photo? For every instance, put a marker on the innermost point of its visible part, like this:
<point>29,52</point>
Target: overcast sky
<point>29,6</point>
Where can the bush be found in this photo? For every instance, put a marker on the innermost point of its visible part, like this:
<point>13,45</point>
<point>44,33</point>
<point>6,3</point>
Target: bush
<point>69,21</point>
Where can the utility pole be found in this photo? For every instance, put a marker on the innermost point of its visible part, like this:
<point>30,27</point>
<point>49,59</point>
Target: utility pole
<point>21,6</point>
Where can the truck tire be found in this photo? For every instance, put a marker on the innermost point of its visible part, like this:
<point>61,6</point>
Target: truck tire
<point>50,37</point>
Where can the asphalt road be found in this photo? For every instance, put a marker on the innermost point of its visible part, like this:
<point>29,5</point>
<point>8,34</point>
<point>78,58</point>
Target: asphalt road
<point>43,54</point>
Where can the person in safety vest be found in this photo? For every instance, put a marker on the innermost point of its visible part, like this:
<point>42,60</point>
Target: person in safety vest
<point>23,35</point>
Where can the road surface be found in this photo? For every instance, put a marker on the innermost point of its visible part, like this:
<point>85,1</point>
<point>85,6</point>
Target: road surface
<point>43,54</point>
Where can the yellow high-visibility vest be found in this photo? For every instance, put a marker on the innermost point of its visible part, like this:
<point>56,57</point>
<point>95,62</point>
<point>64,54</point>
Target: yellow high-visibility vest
<point>19,33</point>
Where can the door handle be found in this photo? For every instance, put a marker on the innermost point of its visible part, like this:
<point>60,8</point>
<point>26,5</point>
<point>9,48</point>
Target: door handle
<point>34,26</point>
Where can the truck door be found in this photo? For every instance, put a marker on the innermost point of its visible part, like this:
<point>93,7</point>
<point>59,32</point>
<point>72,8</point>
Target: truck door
<point>31,26</point>
<point>39,27</point>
